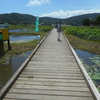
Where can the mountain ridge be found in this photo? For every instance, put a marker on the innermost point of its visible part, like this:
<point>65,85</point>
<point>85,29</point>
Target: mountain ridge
<point>17,18</point>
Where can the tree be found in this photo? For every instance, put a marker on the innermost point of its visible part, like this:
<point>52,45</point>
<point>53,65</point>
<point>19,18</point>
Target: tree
<point>86,22</point>
<point>94,22</point>
<point>1,21</point>
<point>98,20</point>
<point>71,23</point>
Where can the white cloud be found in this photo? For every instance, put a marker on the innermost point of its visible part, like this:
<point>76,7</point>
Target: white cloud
<point>37,2</point>
<point>66,14</point>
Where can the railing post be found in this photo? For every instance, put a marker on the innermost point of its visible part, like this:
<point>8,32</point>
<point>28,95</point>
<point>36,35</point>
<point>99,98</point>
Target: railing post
<point>9,47</point>
<point>1,45</point>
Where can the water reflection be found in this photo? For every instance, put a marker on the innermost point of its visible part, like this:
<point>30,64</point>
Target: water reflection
<point>85,56</point>
<point>5,74</point>
<point>91,63</point>
<point>18,39</point>
<point>22,30</point>
<point>6,71</point>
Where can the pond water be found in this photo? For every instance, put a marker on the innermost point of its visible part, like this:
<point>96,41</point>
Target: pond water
<point>22,30</point>
<point>18,30</point>
<point>11,66</point>
<point>86,56</point>
<point>91,63</point>
<point>18,39</point>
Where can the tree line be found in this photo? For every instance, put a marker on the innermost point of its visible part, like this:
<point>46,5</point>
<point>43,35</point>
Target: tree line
<point>88,21</point>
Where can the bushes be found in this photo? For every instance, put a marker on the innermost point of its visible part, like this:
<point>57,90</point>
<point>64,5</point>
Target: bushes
<point>45,28</point>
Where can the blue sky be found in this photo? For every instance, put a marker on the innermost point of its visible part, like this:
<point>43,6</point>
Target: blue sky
<point>50,8</point>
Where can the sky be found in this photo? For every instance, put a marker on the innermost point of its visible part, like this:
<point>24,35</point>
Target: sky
<point>50,8</point>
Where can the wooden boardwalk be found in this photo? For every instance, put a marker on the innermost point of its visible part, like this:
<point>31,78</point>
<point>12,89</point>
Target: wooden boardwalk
<point>51,74</point>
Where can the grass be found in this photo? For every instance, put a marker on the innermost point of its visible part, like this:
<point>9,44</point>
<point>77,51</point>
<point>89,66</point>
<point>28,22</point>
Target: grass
<point>89,33</point>
<point>82,44</point>
<point>18,48</point>
<point>12,27</point>
<point>25,46</point>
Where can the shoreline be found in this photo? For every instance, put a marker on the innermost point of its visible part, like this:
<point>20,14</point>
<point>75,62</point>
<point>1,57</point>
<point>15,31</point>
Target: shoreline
<point>19,48</point>
<point>85,45</point>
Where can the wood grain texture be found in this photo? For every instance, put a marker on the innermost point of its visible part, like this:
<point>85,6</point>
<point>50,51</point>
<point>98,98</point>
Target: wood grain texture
<point>51,74</point>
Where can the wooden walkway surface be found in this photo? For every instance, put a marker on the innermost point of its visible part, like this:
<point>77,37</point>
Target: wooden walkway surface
<point>51,74</point>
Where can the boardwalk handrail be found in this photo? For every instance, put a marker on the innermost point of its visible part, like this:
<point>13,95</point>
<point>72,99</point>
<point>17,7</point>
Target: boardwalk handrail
<point>90,84</point>
<point>7,86</point>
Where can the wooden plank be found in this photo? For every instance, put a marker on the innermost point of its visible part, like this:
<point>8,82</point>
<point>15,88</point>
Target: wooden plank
<point>49,68</point>
<point>49,74</point>
<point>54,61</point>
<point>51,80</point>
<point>52,77</point>
<point>51,56</point>
<point>50,92</point>
<point>51,83</point>
<point>30,65</point>
<point>53,64</point>
<point>50,87</point>
<point>44,97</point>
<point>52,71</point>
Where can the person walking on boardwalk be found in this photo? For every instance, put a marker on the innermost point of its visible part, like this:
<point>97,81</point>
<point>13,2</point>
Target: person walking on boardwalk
<point>59,30</point>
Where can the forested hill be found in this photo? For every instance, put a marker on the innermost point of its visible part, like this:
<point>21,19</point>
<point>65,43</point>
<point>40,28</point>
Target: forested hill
<point>77,20</point>
<point>16,18</point>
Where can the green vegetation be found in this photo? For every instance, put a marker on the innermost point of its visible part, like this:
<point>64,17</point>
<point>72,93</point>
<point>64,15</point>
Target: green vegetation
<point>12,27</point>
<point>25,19</point>
<point>85,45</point>
<point>18,48</point>
<point>16,18</point>
<point>88,22</point>
<point>30,30</point>
<point>94,71</point>
<point>79,37</point>
<point>84,38</point>
<point>89,33</point>
<point>45,28</point>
